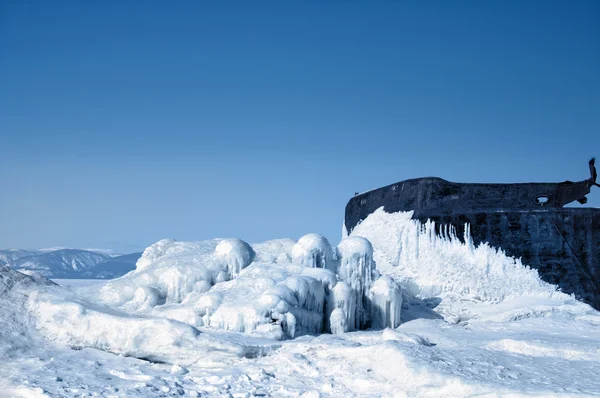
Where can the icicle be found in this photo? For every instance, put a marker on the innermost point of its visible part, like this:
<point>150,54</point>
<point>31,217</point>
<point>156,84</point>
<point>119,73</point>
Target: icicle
<point>356,268</point>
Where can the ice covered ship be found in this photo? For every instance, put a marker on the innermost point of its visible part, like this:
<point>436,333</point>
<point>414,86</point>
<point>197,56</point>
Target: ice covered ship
<point>526,220</point>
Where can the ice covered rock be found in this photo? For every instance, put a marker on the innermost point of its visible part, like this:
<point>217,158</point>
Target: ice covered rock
<point>314,251</point>
<point>235,254</point>
<point>386,303</point>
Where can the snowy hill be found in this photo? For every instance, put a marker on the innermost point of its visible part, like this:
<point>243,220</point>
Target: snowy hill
<point>114,267</point>
<point>10,255</point>
<point>71,263</point>
<point>64,263</point>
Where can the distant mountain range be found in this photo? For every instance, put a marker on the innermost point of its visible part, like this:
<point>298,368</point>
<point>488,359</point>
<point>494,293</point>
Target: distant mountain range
<point>70,263</point>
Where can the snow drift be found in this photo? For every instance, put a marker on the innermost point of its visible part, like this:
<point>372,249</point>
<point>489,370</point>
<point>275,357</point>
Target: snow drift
<point>29,304</point>
<point>16,323</point>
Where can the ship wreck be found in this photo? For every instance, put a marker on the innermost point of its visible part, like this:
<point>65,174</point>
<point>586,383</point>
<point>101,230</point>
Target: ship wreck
<point>527,220</point>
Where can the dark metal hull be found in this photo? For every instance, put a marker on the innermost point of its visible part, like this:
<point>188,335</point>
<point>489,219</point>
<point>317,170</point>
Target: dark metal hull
<point>563,244</point>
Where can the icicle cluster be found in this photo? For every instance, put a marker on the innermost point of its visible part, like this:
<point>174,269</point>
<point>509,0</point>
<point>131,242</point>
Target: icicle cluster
<point>440,264</point>
<point>348,303</point>
<point>278,288</point>
<point>357,269</point>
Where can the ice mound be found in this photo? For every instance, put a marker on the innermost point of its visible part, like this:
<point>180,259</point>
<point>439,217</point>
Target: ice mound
<point>175,269</point>
<point>269,299</point>
<point>314,250</point>
<point>218,284</point>
<point>235,254</point>
<point>429,264</point>
<point>278,288</point>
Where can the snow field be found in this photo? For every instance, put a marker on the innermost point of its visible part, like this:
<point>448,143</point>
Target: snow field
<point>224,318</point>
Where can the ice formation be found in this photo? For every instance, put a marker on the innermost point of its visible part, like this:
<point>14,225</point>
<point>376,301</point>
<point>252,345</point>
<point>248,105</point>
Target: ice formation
<point>342,301</point>
<point>235,254</point>
<point>174,269</point>
<point>357,269</point>
<point>284,289</point>
<point>386,303</point>
<point>428,264</point>
<point>314,250</point>
<point>279,300</point>
<point>227,284</point>
<point>277,288</point>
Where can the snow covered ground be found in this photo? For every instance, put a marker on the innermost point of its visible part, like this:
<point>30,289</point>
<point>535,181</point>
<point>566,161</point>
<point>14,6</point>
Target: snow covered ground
<point>280,318</point>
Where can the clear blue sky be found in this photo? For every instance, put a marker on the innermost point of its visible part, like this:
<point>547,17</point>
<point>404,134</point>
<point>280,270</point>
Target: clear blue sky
<point>125,122</point>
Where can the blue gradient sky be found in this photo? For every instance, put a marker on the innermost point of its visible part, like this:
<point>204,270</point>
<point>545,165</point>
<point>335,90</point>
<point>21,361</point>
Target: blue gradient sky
<point>122,123</point>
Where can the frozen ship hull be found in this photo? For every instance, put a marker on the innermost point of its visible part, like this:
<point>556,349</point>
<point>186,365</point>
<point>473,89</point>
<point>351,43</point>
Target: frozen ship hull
<point>525,220</point>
